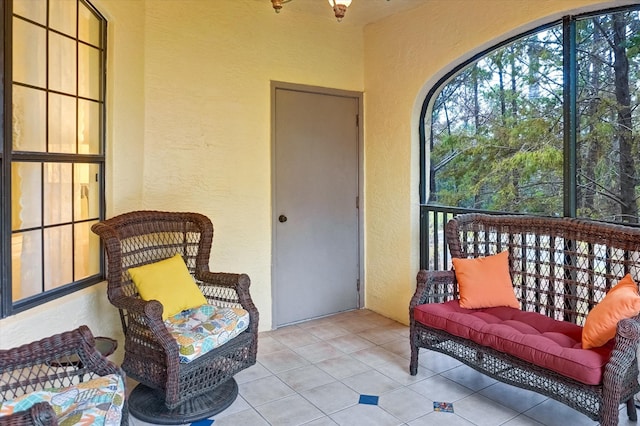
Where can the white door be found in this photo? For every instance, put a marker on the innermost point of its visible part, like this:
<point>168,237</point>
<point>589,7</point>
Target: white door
<point>316,242</point>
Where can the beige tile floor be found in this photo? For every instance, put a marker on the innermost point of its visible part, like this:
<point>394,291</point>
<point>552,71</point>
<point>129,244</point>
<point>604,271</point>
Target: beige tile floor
<point>313,374</point>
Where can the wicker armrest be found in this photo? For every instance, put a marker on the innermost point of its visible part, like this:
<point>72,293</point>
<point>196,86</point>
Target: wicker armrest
<point>629,328</point>
<point>434,286</point>
<point>229,288</point>
<point>146,315</point>
<point>238,282</point>
<point>151,310</point>
<point>147,334</point>
<point>40,414</point>
<point>622,367</point>
<point>627,339</point>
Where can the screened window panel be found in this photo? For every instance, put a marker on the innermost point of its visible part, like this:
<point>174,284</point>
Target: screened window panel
<point>496,130</point>
<point>539,124</point>
<point>608,67</point>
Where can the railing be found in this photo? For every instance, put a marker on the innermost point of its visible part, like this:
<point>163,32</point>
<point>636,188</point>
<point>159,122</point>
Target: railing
<point>434,253</point>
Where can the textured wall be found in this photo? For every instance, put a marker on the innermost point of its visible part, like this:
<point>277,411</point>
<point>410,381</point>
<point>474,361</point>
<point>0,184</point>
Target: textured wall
<point>188,125</point>
<point>404,56</point>
<point>208,70</point>
<point>188,128</point>
<point>125,103</point>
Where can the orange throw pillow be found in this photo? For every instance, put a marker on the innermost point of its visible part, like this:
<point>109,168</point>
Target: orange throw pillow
<point>622,301</point>
<point>485,282</point>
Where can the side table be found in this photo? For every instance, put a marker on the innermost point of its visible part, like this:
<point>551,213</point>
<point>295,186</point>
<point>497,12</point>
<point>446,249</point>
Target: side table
<point>105,345</point>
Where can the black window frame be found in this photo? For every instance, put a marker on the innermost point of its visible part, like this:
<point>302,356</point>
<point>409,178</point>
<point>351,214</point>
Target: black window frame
<point>7,306</point>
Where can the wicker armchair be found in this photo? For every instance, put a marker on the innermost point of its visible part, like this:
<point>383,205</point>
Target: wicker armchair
<point>171,392</point>
<point>58,361</point>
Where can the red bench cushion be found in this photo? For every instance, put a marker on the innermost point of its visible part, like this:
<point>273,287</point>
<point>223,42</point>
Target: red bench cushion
<point>535,338</point>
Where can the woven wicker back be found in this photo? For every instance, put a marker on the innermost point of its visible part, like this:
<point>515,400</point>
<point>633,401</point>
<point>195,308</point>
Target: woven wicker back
<point>57,361</point>
<point>144,237</point>
<point>560,267</point>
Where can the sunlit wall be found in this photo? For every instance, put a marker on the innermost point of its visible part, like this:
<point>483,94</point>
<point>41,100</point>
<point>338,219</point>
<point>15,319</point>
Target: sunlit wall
<point>405,55</point>
<point>188,126</point>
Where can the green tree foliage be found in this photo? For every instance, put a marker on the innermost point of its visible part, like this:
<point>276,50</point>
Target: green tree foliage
<point>496,128</point>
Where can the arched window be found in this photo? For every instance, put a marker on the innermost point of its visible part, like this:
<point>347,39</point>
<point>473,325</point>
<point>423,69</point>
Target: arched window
<point>545,123</point>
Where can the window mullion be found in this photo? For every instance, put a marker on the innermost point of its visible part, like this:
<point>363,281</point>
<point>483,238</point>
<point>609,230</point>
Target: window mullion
<point>570,116</point>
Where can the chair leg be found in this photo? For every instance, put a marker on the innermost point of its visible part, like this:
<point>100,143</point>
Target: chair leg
<point>413,367</point>
<point>631,410</point>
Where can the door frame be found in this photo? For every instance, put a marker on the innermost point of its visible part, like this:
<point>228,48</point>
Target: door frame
<point>275,85</point>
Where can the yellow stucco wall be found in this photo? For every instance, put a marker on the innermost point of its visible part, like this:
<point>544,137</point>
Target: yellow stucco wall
<point>189,113</point>
<point>405,55</point>
<point>188,126</point>
<point>208,72</point>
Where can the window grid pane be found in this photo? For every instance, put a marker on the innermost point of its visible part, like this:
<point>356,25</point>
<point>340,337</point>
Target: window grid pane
<point>26,273</point>
<point>29,119</point>
<point>26,195</point>
<point>62,16</point>
<point>29,53</point>
<point>88,26</point>
<point>57,109</point>
<point>62,123</point>
<point>62,64</point>
<point>35,10</point>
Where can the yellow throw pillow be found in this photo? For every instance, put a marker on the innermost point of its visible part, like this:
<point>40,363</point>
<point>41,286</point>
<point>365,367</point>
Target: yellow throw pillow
<point>622,301</point>
<point>485,282</point>
<point>170,283</point>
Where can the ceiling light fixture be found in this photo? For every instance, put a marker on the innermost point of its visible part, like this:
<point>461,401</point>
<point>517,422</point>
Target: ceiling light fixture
<point>339,6</point>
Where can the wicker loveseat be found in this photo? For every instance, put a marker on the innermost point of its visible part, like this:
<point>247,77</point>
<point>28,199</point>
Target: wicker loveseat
<point>65,370</point>
<point>560,270</point>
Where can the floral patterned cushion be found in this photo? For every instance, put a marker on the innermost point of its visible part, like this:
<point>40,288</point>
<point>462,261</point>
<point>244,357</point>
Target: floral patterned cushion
<point>204,328</point>
<point>96,402</point>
